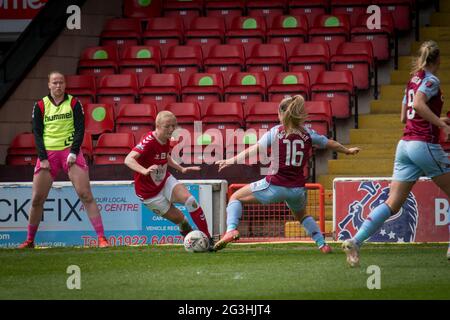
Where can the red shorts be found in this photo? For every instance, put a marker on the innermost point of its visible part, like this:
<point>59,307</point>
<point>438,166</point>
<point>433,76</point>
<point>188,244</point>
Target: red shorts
<point>58,160</point>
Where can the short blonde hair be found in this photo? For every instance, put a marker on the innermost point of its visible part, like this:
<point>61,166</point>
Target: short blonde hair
<point>164,115</point>
<point>55,72</point>
<point>428,54</point>
<point>293,113</point>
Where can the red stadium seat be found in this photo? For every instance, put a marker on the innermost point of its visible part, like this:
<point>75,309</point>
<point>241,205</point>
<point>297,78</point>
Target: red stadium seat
<point>401,11</point>
<point>98,61</point>
<point>226,59</point>
<point>357,57</point>
<point>320,117</point>
<point>246,31</point>
<point>227,9</point>
<point>352,8</point>
<point>338,88</point>
<point>267,58</point>
<point>203,88</point>
<point>142,9</point>
<point>186,10</point>
<point>290,30</point>
<point>331,29</point>
<point>262,116</point>
<point>112,148</point>
<point>268,9</point>
<point>87,147</point>
<point>381,38</point>
<point>311,58</point>
<point>310,8</point>
<point>163,32</point>
<point>121,32</point>
<point>82,87</point>
<point>246,88</point>
<point>205,32</point>
<point>161,89</point>
<point>184,60</point>
<point>116,89</point>
<point>287,84</point>
<point>22,150</point>
<point>98,118</point>
<point>140,60</point>
<point>136,118</point>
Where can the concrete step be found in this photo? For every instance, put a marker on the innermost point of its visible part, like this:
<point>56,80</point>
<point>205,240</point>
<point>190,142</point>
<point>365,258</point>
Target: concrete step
<point>369,136</point>
<point>360,166</point>
<point>327,179</point>
<point>386,106</point>
<point>440,19</point>
<point>436,33</point>
<point>380,121</point>
<point>293,229</point>
<point>371,153</point>
<point>397,91</point>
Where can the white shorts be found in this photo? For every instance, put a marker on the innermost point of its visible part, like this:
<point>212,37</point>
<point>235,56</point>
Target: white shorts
<point>160,203</point>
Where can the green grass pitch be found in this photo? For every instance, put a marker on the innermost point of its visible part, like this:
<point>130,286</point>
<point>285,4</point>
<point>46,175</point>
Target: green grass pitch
<point>255,271</point>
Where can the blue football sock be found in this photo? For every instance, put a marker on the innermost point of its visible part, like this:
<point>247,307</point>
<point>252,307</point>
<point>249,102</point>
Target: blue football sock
<point>234,213</point>
<point>373,222</point>
<point>313,230</point>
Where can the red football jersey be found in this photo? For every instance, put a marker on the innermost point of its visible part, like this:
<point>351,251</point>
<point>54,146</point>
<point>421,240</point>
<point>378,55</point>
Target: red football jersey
<point>151,152</point>
<point>416,127</point>
<point>288,158</point>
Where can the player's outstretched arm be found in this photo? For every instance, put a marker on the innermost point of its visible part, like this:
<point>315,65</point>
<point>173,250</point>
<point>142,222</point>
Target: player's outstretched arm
<point>177,167</point>
<point>239,158</point>
<point>336,146</point>
<point>130,162</point>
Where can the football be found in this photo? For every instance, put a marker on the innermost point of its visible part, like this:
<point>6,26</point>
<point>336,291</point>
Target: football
<point>196,241</point>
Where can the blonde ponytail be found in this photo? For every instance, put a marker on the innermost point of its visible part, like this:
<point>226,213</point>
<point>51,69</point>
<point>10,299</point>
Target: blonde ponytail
<point>428,54</point>
<point>293,113</point>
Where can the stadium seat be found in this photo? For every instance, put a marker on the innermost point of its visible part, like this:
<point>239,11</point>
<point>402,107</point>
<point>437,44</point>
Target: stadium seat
<point>311,58</point>
<point>140,60</point>
<point>352,8</point>
<point>226,59</point>
<point>401,11</point>
<point>186,10</point>
<point>205,32</point>
<point>82,87</point>
<point>98,118</point>
<point>262,116</point>
<point>121,32</point>
<point>310,8</point>
<point>226,117</point>
<point>187,114</point>
<point>331,29</point>
<point>87,147</point>
<point>203,88</point>
<point>290,30</point>
<point>338,88</point>
<point>357,57</point>
<point>268,9</point>
<point>98,61</point>
<point>112,148</point>
<point>163,32</point>
<point>22,150</point>
<point>116,89</point>
<point>227,9</point>
<point>136,118</point>
<point>246,88</point>
<point>320,117</point>
<point>184,60</point>
<point>161,89</point>
<point>381,38</point>
<point>267,58</point>
<point>246,31</point>
<point>287,84</point>
<point>142,9</point>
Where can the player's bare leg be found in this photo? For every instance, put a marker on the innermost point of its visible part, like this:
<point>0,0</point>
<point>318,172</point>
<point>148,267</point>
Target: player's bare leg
<point>42,183</point>
<point>176,216</point>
